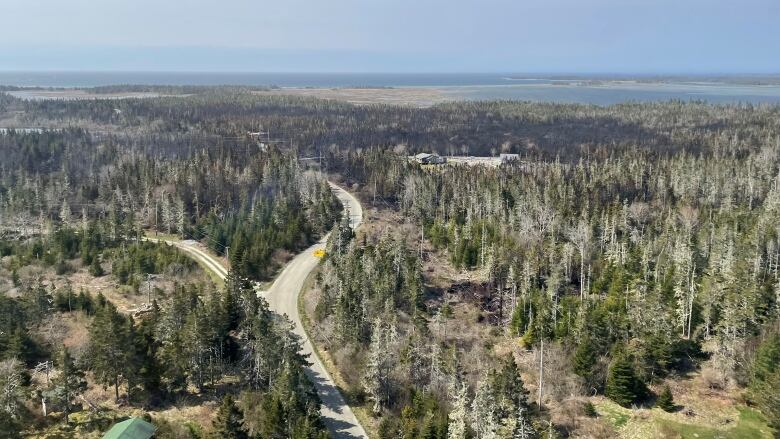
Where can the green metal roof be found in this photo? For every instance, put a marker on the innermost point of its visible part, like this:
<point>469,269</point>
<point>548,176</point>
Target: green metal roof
<point>133,428</point>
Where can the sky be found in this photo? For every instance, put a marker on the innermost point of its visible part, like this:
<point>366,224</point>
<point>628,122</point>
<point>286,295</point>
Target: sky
<point>394,36</point>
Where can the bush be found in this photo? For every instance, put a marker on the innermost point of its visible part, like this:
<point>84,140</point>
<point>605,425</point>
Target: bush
<point>590,410</point>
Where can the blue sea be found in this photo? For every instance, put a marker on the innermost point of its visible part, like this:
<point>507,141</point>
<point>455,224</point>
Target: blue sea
<point>601,90</point>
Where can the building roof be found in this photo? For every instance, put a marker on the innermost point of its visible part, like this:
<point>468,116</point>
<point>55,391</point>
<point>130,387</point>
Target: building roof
<point>423,155</point>
<point>133,428</point>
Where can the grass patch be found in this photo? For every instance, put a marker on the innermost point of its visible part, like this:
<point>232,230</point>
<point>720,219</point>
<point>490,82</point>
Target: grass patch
<point>655,423</point>
<point>616,415</point>
<point>751,425</point>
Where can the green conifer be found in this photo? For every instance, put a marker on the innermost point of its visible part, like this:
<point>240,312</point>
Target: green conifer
<point>228,423</point>
<point>665,400</point>
<point>623,386</point>
<point>584,358</point>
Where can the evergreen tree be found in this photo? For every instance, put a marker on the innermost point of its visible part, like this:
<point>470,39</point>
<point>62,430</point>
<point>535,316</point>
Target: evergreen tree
<point>767,359</point>
<point>20,346</point>
<point>69,384</point>
<point>12,390</point>
<point>95,268</point>
<point>509,389</point>
<point>765,380</point>
<point>344,234</point>
<point>623,386</point>
<point>376,380</point>
<point>484,410</point>
<point>665,400</point>
<point>458,415</point>
<point>149,368</point>
<point>228,423</point>
<point>584,358</point>
<point>111,349</point>
<point>767,398</point>
<point>522,428</point>
<point>10,428</point>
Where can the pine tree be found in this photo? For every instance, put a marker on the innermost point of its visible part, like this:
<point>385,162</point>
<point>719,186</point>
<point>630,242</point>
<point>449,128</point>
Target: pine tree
<point>767,398</point>
<point>509,387</point>
<point>344,234</point>
<point>69,384</point>
<point>584,358</point>
<point>458,416</point>
<point>376,378</point>
<point>149,368</point>
<point>111,349</point>
<point>665,400</point>
<point>522,428</point>
<point>95,269</point>
<point>228,423</point>
<point>767,359</point>
<point>181,216</point>
<point>65,212</point>
<point>20,345</point>
<point>518,322</point>
<point>12,392</point>
<point>10,428</point>
<point>623,386</point>
<point>765,380</point>
<point>483,410</point>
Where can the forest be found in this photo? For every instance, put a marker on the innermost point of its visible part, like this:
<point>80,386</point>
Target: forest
<point>625,266</point>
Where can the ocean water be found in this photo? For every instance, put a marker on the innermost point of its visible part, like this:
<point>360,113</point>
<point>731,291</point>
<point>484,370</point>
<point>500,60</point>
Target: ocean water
<point>618,92</point>
<point>91,79</point>
<point>600,90</point>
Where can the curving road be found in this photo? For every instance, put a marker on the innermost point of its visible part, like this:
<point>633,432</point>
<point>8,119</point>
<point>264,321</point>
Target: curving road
<point>282,297</point>
<point>191,248</point>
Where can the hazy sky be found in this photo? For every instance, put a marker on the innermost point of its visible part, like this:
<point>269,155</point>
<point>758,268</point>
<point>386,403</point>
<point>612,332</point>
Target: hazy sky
<point>568,36</point>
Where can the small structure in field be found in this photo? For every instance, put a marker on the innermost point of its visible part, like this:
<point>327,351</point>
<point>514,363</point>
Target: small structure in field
<point>133,428</point>
<point>425,158</point>
<point>505,158</point>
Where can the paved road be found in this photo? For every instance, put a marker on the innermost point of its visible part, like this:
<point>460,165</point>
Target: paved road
<point>282,297</point>
<point>191,248</point>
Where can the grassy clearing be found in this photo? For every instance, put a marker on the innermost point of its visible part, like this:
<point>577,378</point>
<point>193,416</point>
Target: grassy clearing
<point>655,423</point>
<point>614,414</point>
<point>751,425</point>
